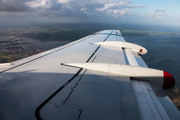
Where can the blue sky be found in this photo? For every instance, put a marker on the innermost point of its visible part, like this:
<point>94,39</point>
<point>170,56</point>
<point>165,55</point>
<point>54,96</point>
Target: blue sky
<point>155,12</point>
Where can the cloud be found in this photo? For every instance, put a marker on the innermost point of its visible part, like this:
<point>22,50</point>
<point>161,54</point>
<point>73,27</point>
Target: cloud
<point>63,1</point>
<point>39,4</point>
<point>58,9</point>
<point>70,7</point>
<point>158,14</point>
<point>117,5</point>
<point>158,10</point>
<point>67,8</point>
<point>14,6</point>
<point>158,17</point>
<point>117,8</point>
<point>84,10</point>
<point>120,12</point>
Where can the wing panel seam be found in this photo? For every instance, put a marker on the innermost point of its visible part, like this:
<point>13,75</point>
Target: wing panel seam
<point>37,111</point>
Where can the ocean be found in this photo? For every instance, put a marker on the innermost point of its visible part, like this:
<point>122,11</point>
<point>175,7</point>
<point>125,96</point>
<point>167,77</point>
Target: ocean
<point>163,53</point>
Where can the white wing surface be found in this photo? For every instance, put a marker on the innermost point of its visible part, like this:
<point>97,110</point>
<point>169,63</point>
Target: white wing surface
<point>83,81</point>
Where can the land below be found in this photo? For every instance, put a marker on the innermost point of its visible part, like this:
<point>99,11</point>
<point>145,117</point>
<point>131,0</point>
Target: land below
<point>174,95</point>
<point>14,44</point>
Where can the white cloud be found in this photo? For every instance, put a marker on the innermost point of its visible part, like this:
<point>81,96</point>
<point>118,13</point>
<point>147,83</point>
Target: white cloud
<point>158,17</point>
<point>67,7</point>
<point>120,12</point>
<point>39,3</point>
<point>117,8</point>
<point>151,14</point>
<point>106,6</point>
<point>157,14</point>
<point>74,8</point>
<point>141,14</point>
<point>63,1</point>
<point>159,10</point>
<point>84,10</point>
<point>118,5</point>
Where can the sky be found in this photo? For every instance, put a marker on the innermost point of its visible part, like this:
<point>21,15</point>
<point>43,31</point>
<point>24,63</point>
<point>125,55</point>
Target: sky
<point>154,12</point>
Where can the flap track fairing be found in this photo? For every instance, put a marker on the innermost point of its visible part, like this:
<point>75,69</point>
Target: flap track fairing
<point>158,77</point>
<point>126,45</point>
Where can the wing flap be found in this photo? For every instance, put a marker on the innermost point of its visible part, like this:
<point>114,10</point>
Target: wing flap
<point>149,102</point>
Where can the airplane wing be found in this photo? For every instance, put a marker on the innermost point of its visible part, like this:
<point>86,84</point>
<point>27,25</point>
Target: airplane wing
<point>99,77</point>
